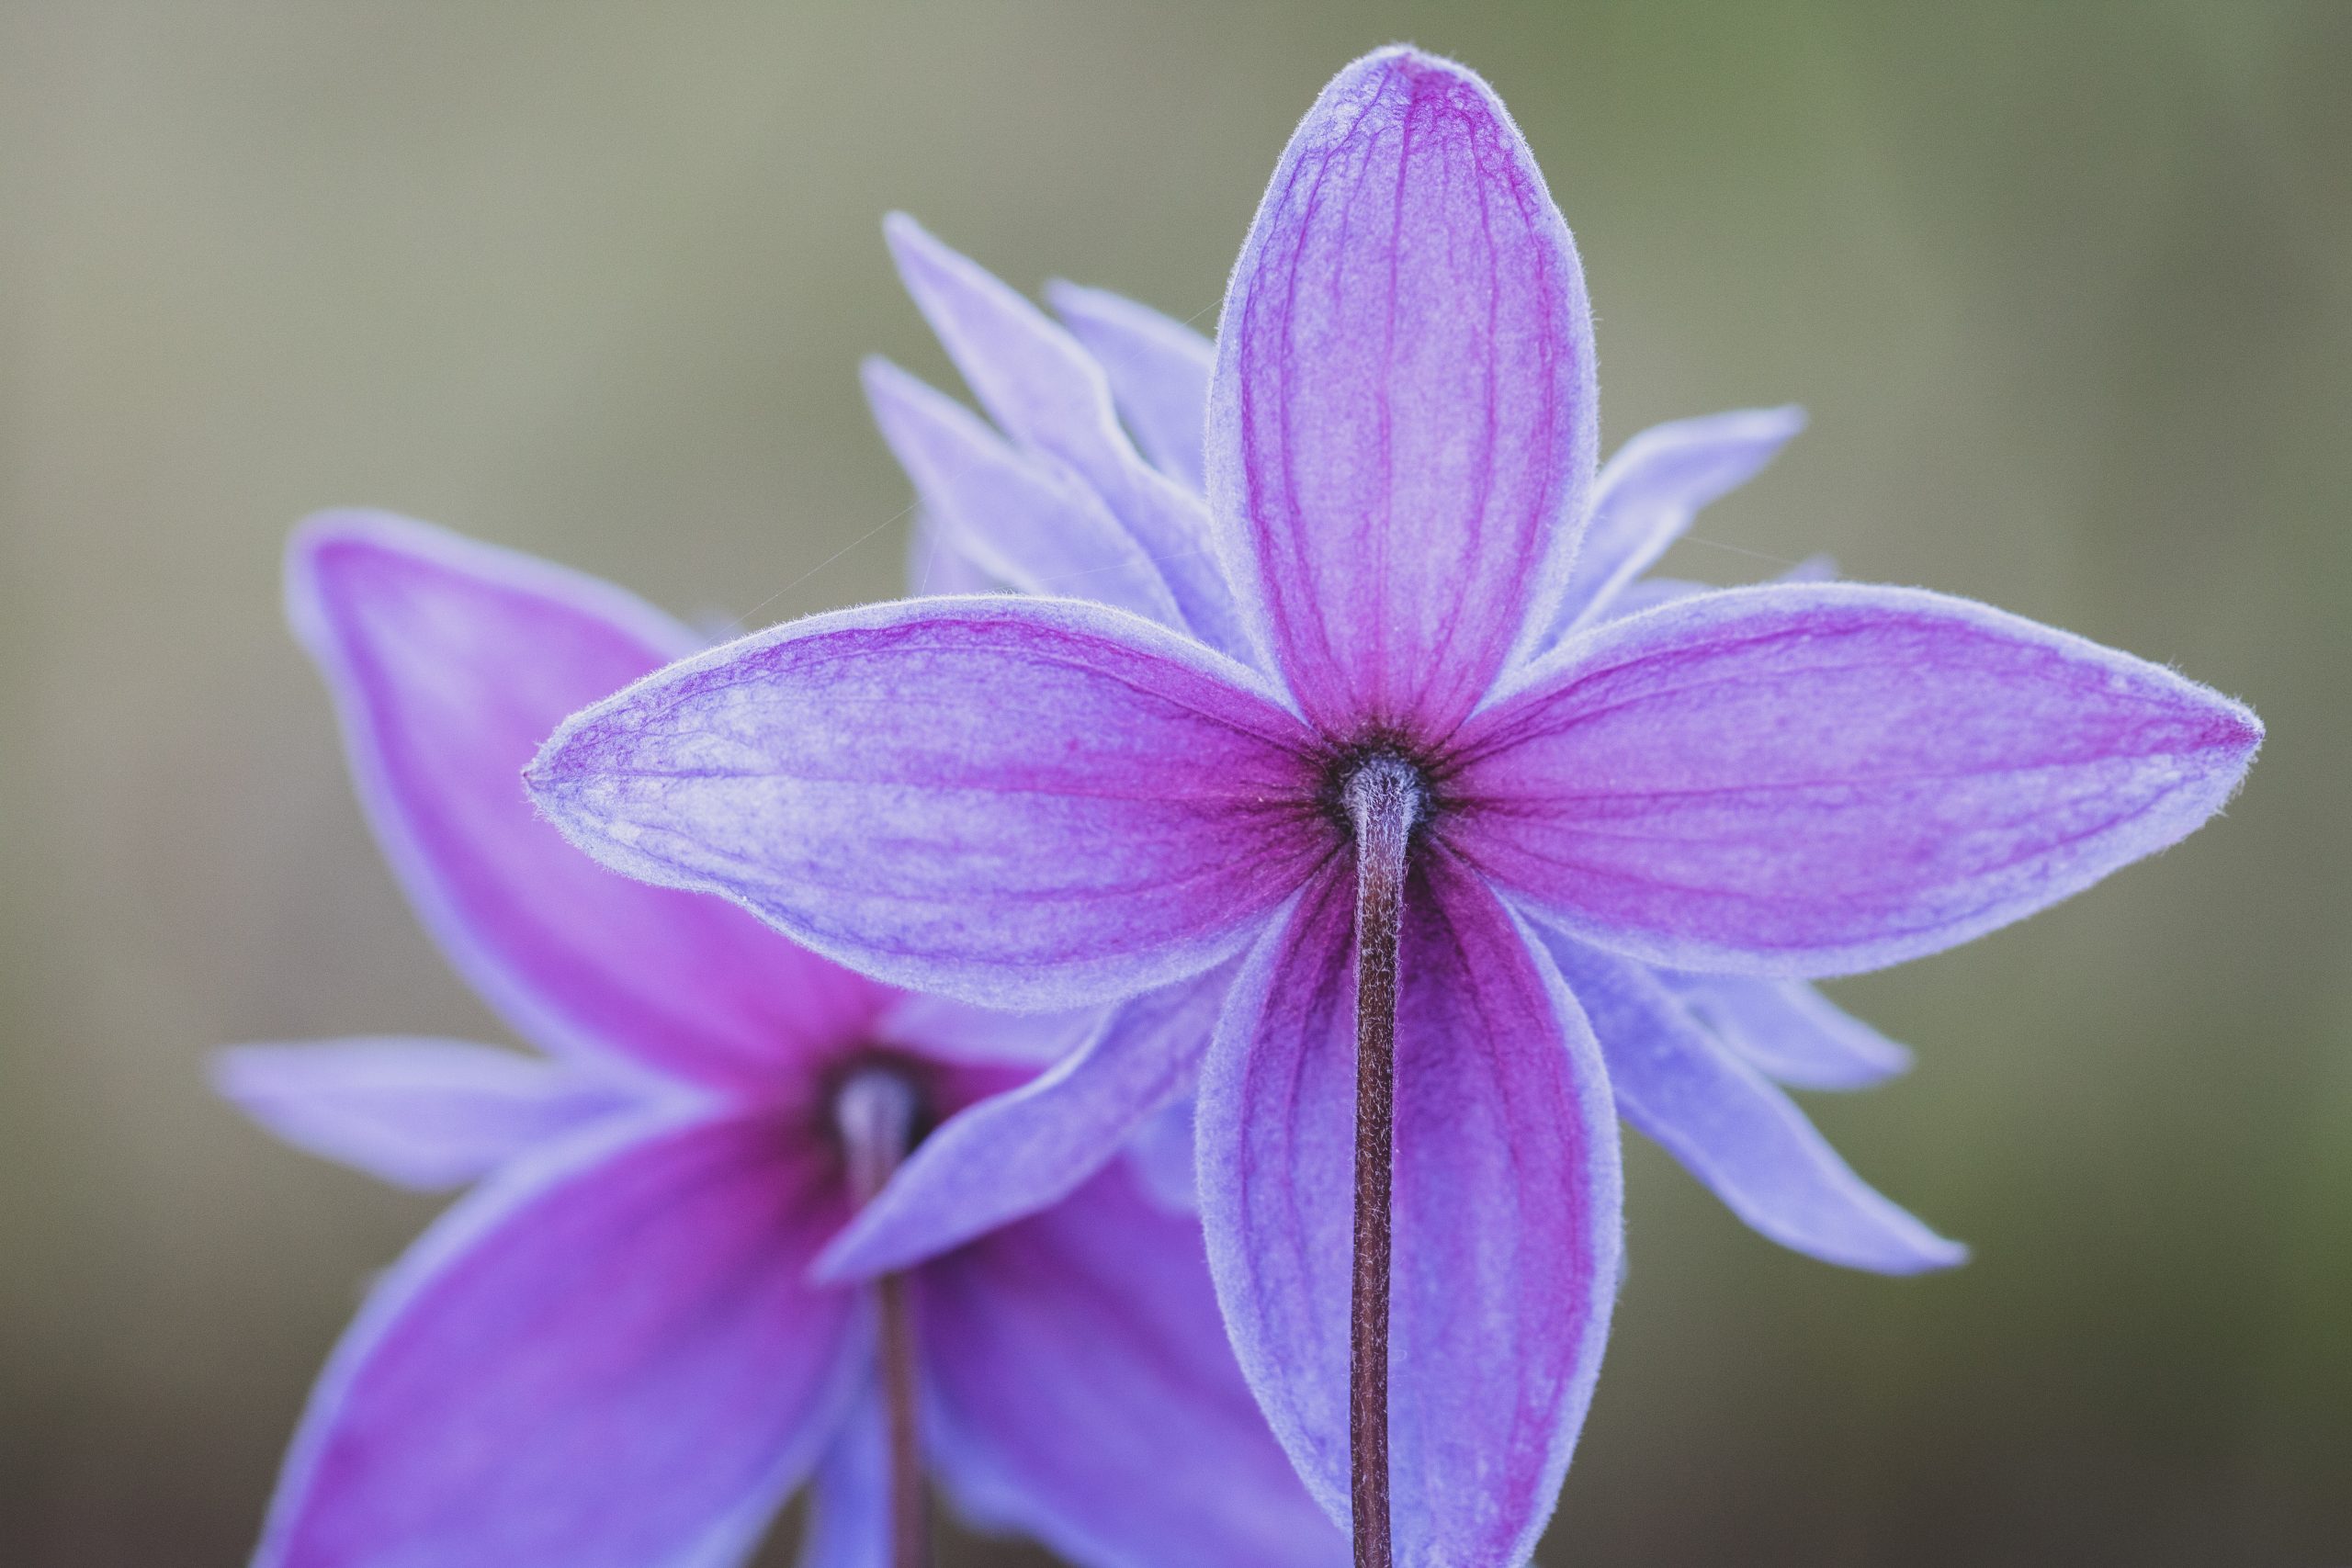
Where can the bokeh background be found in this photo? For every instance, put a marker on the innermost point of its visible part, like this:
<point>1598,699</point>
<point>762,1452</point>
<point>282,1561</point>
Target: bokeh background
<point>2067,288</point>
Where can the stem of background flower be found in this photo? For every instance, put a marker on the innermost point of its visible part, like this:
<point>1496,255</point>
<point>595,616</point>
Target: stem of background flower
<point>1383,796</point>
<point>875,1113</point>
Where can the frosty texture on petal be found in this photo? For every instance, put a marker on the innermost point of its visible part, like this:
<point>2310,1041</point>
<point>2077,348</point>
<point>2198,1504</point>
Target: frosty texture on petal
<point>1733,1130</point>
<point>423,1114</point>
<point>1818,779</point>
<point>597,1361</point>
<point>1083,1392</point>
<point>1158,370</point>
<point>1402,425</point>
<point>1022,803</point>
<point>449,662</point>
<point>1506,1222</point>
<point>1788,1030</point>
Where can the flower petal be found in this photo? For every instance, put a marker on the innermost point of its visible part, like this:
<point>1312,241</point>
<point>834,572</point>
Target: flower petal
<point>1816,779</point>
<point>1650,491</point>
<point>1016,1153</point>
<point>1506,1237</point>
<point>421,1113</point>
<point>1732,1130</point>
<point>1161,1155</point>
<point>849,1499</point>
<point>938,563</point>
<point>1158,370</point>
<point>1402,425</point>
<point>1020,803</point>
<point>1082,1392</point>
<point>1033,528</point>
<point>449,661</point>
<point>1049,395</point>
<point>1788,1030</point>
<point>598,1360</point>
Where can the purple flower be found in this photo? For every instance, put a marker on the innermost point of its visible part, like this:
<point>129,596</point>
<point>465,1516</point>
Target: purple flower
<point>611,1351</point>
<point>1380,766</point>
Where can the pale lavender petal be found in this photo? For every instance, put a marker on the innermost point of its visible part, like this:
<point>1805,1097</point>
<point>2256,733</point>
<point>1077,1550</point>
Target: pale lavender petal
<point>849,1498</point>
<point>1506,1211</point>
<point>1020,803</point>
<point>1791,1031</point>
<point>937,563</point>
<point>1019,1152</point>
<point>1158,370</point>
<point>1651,591</point>
<point>449,661</point>
<point>1650,491</point>
<point>1162,1155</point>
<point>427,1114</point>
<point>604,1360</point>
<point>1732,1130</point>
<point>1402,423</point>
<point>1082,1392</point>
<point>1046,391</point>
<point>1816,779</point>
<point>1036,527</point>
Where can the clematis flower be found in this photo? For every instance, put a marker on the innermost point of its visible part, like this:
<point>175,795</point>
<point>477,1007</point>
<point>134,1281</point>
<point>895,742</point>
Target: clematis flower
<point>610,1351</point>
<point>1380,766</point>
<point>1689,1055</point>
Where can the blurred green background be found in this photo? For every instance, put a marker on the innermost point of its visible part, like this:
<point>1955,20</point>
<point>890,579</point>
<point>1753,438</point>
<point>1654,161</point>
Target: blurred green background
<point>2067,288</point>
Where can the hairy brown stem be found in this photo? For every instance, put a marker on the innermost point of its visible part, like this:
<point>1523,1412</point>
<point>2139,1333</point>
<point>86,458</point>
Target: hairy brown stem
<point>1382,797</point>
<point>875,1113</point>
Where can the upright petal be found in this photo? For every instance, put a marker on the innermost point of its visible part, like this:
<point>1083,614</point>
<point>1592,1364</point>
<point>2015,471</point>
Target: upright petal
<point>449,661</point>
<point>1506,1211</point>
<point>421,1113</point>
<point>1049,395</point>
<point>1650,491</point>
<point>1816,779</point>
<point>849,1498</point>
<point>1082,1392</point>
<point>1034,528</point>
<point>1402,426</point>
<point>1732,1130</point>
<point>1788,1030</point>
<point>605,1360</point>
<point>937,561</point>
<point>1161,1155</point>
<point>1022,803</point>
<point>1158,370</point>
<point>1017,1153</point>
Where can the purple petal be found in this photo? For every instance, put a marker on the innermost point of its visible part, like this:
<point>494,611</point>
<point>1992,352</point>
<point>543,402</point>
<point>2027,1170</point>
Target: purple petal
<point>600,1360</point>
<point>1791,1031</point>
<point>938,562</point>
<point>1048,394</point>
<point>1158,370</point>
<point>1035,529</point>
<point>1022,803</point>
<point>1019,1152</point>
<point>1734,1131</point>
<point>1651,591</point>
<point>849,1499</point>
<point>427,1114</point>
<point>1082,1392</point>
<point>1161,1156</point>
<point>959,1033</point>
<point>1401,430</point>
<point>1823,778</point>
<point>449,661</point>
<point>1507,1217</point>
<point>1650,491</point>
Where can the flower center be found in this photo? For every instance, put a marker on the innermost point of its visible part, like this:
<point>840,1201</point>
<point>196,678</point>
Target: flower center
<point>1379,780</point>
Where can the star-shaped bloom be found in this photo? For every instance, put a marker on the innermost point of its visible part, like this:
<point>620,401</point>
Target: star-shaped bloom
<point>611,1351</point>
<point>1372,756</point>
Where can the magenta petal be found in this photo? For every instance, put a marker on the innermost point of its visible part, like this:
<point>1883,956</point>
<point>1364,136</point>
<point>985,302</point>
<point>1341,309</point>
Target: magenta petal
<point>1083,1392</point>
<point>449,661</point>
<point>1823,778</point>
<point>1506,1220</point>
<point>1732,1130</point>
<point>1016,1153</point>
<point>1402,426</point>
<point>1158,370</point>
<point>421,1113</point>
<point>1049,395</point>
<point>601,1361</point>
<point>1023,803</point>
<point>1026,524</point>
<point>1788,1030</point>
